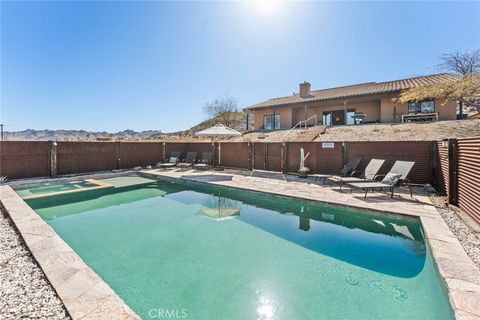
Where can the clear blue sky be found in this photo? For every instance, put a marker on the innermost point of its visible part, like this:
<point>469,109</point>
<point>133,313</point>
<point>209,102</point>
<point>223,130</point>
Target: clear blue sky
<point>152,65</point>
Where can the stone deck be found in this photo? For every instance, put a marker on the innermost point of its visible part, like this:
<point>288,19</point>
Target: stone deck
<point>460,274</point>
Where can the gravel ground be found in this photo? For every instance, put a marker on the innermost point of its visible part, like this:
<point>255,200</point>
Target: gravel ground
<point>25,292</point>
<point>467,237</point>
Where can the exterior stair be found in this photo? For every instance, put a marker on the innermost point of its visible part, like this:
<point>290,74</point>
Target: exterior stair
<point>310,134</point>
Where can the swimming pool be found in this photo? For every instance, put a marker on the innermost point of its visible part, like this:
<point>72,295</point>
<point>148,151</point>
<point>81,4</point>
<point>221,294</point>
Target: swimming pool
<point>275,257</point>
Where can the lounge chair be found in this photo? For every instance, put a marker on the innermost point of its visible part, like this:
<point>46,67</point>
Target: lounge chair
<point>172,161</point>
<point>205,163</point>
<point>369,174</point>
<point>395,178</point>
<point>189,161</point>
<point>347,170</point>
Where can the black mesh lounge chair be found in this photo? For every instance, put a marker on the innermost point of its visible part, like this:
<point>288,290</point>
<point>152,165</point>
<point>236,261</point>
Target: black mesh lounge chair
<point>172,161</point>
<point>346,171</point>
<point>189,161</point>
<point>369,174</point>
<point>395,178</point>
<point>205,163</point>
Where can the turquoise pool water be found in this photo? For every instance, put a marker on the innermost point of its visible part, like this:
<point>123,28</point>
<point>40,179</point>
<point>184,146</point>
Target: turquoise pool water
<point>278,259</point>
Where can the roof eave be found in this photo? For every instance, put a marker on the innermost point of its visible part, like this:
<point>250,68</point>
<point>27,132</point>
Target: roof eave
<point>282,105</point>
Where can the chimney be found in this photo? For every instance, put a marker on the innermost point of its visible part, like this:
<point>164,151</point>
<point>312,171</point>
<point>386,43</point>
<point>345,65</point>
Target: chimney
<point>305,89</point>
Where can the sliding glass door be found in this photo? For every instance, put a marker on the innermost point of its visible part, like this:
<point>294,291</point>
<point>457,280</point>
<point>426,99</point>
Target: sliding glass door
<point>338,117</point>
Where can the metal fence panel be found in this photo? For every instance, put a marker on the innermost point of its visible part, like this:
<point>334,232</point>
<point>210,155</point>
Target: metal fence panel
<point>78,157</point>
<point>24,159</point>
<point>468,163</point>
<point>234,155</point>
<point>442,165</point>
<point>134,154</point>
<point>418,151</point>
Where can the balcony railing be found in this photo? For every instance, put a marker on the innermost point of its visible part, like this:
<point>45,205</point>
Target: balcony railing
<point>301,125</point>
<point>420,117</point>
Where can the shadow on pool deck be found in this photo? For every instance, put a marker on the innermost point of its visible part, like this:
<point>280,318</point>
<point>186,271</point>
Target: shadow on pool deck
<point>208,178</point>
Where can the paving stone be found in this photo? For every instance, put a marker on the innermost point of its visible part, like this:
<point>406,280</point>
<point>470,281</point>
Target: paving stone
<point>457,270</point>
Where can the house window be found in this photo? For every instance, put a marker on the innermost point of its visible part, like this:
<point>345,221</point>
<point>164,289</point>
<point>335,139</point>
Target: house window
<point>327,118</point>
<point>426,106</point>
<point>271,122</point>
<point>351,116</point>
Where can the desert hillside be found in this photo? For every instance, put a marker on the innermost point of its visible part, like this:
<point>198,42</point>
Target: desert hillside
<point>234,120</point>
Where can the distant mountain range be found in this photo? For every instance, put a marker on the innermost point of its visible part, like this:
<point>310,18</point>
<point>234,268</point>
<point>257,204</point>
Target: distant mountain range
<point>80,135</point>
<point>236,120</point>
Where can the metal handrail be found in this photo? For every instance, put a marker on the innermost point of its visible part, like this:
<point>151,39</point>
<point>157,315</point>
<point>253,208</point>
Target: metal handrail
<point>316,120</point>
<point>299,123</point>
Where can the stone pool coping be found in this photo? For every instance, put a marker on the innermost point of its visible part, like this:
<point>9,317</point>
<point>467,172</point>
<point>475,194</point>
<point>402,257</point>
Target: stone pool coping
<point>84,294</point>
<point>459,274</point>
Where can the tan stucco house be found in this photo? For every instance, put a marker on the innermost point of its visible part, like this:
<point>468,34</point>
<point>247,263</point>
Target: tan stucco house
<point>369,102</point>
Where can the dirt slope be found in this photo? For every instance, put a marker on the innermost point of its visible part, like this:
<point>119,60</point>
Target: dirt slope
<point>405,131</point>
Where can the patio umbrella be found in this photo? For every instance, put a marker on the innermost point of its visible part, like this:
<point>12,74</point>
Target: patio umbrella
<point>218,130</point>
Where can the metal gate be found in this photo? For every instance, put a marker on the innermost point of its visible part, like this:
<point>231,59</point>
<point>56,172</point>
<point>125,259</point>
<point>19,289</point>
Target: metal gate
<point>268,156</point>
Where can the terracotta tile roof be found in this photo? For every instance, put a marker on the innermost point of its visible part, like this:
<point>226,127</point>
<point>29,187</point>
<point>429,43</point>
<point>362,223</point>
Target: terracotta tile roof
<point>363,89</point>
